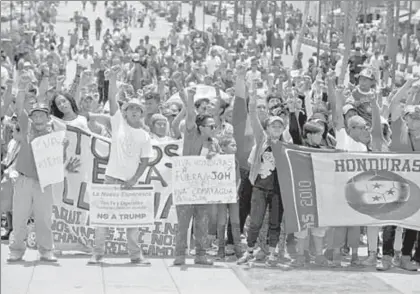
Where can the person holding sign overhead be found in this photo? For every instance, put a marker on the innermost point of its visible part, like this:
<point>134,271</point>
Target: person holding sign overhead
<point>131,149</point>
<point>34,122</point>
<point>199,140</point>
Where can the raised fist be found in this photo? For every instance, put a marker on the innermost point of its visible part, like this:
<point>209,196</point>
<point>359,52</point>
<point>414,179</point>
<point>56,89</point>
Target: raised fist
<point>192,91</point>
<point>61,79</point>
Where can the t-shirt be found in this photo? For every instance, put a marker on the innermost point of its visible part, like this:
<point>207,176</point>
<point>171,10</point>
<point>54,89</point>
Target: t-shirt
<point>213,63</point>
<point>85,62</point>
<point>267,176</point>
<point>347,143</point>
<point>128,146</point>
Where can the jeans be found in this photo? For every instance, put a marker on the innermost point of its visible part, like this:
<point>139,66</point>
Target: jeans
<point>245,195</point>
<point>289,46</point>
<point>103,92</point>
<point>259,202</point>
<point>199,214</point>
<point>134,250</point>
<point>222,212</point>
<point>388,241</point>
<point>29,198</point>
<point>212,219</point>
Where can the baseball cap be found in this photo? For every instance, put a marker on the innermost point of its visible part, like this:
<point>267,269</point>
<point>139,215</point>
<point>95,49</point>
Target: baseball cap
<point>347,108</point>
<point>39,107</point>
<point>133,101</point>
<point>367,73</point>
<point>273,119</point>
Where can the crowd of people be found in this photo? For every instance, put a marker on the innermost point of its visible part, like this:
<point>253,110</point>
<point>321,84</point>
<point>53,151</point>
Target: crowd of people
<point>137,93</point>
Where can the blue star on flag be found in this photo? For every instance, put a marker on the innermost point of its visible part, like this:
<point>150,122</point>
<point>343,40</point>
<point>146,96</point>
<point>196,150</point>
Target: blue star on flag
<point>390,192</point>
<point>376,198</point>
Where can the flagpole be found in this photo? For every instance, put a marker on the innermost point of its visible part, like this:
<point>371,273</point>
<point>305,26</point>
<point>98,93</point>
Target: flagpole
<point>318,47</point>
<point>407,49</point>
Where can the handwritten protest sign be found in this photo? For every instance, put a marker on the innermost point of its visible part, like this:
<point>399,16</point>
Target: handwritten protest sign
<point>112,206</point>
<point>71,226</point>
<point>49,157</point>
<point>198,180</point>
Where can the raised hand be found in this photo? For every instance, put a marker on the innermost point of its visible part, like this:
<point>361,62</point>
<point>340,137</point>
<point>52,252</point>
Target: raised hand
<point>191,91</point>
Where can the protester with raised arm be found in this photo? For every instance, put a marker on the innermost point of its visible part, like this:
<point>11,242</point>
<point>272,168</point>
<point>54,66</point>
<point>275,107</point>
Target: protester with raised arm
<point>129,156</point>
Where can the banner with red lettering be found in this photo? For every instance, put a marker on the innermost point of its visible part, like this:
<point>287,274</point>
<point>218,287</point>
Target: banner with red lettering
<point>322,188</point>
<point>71,228</point>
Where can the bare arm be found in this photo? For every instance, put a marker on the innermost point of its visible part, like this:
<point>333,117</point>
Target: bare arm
<point>112,75</point>
<point>7,97</point>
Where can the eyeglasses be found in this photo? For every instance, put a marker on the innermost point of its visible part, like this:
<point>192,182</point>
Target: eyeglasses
<point>365,127</point>
<point>211,127</point>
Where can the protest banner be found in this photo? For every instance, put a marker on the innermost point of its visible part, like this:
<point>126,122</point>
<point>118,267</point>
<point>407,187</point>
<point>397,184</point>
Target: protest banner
<point>49,158</point>
<point>204,181</point>
<point>112,206</point>
<point>323,189</point>
<point>71,225</point>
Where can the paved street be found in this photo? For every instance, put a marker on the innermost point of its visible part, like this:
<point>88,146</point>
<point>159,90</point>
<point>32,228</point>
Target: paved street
<point>116,276</point>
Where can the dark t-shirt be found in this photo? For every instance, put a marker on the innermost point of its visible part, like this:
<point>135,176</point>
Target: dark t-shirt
<point>269,180</point>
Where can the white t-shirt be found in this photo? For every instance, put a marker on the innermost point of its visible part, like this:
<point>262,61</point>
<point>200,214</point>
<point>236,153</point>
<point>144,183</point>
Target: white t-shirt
<point>4,76</point>
<point>346,143</point>
<point>128,146</point>
<point>85,62</point>
<point>213,63</point>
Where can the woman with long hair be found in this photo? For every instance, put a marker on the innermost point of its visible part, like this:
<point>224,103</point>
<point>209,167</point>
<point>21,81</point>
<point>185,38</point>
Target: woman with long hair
<point>64,107</point>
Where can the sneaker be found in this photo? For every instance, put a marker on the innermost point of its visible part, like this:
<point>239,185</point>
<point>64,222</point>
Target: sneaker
<point>230,250</point>
<point>396,260</point>
<point>14,258</point>
<point>48,257</point>
<point>300,261</point>
<point>179,260</point>
<point>370,260</point>
<point>407,264</point>
<point>140,260</point>
<point>260,256</point>
<point>355,261</point>
<point>385,263</point>
<point>321,260</point>
<point>245,258</point>
<point>272,260</point>
<point>95,259</point>
<point>202,260</point>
